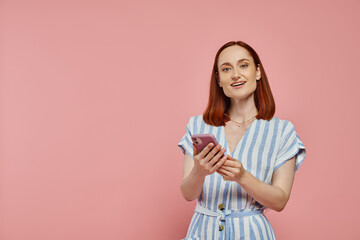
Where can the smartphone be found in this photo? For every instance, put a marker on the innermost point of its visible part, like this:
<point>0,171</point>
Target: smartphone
<point>202,140</point>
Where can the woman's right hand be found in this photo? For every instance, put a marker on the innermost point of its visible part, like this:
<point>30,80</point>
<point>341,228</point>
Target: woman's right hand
<point>209,159</point>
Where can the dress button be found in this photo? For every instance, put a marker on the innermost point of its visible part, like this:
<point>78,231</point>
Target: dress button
<point>221,227</point>
<point>221,206</point>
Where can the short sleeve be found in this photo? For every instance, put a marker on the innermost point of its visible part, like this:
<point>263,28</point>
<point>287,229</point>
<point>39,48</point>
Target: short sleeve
<point>290,146</point>
<point>185,143</point>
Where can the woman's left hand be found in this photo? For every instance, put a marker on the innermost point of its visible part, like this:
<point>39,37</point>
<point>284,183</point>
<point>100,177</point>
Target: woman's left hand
<point>231,170</point>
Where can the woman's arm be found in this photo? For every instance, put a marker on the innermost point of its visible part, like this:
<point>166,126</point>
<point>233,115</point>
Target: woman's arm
<point>273,196</point>
<point>195,170</point>
<point>191,185</point>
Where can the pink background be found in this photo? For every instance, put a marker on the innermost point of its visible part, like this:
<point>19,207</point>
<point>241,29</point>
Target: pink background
<point>95,96</point>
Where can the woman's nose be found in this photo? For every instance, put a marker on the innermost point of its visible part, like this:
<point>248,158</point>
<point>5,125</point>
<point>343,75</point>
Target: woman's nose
<point>235,73</point>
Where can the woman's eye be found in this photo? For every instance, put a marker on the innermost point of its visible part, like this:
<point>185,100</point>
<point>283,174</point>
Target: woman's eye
<point>244,66</point>
<point>226,69</point>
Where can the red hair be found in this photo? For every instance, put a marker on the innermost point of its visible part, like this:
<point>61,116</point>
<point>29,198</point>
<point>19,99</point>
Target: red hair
<point>216,112</point>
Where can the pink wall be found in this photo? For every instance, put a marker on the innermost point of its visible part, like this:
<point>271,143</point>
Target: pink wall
<point>95,96</point>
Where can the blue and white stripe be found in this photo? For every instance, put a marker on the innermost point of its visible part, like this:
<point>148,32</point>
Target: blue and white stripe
<point>266,146</point>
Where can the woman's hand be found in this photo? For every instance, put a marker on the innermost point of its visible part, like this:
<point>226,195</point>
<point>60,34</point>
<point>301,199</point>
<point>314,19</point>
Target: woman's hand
<point>197,168</point>
<point>232,169</point>
<point>207,162</point>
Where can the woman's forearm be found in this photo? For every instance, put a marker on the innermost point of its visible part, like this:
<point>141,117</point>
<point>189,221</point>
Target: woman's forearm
<point>191,186</point>
<point>268,195</point>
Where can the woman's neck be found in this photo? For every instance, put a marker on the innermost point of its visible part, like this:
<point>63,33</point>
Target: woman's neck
<point>242,110</point>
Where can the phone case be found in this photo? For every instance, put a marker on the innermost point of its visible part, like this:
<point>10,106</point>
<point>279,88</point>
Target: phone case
<point>202,140</point>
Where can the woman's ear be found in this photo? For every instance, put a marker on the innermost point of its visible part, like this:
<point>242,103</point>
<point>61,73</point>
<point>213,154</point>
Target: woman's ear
<point>217,78</point>
<point>258,73</point>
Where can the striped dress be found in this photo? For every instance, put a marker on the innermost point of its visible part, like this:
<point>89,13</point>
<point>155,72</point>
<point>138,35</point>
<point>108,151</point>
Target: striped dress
<point>224,210</point>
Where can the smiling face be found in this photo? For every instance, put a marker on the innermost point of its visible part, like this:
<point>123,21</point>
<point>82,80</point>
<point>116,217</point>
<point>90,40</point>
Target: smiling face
<point>237,72</point>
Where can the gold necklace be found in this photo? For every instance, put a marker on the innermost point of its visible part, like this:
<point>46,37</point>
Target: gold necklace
<point>240,124</point>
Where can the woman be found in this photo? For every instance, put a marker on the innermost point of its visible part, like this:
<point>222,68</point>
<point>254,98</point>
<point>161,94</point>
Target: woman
<point>253,166</point>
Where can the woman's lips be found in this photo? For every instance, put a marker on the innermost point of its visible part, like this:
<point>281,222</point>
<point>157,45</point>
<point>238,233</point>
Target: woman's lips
<point>237,85</point>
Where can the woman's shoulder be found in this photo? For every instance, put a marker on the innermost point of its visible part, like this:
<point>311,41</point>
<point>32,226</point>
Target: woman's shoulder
<point>196,119</point>
<point>279,123</point>
<point>278,120</point>
<point>197,123</point>
<point>282,125</point>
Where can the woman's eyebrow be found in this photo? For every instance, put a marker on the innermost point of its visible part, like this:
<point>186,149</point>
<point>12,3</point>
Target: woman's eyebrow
<point>227,63</point>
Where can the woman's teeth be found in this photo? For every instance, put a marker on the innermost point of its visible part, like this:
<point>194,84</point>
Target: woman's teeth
<point>238,84</point>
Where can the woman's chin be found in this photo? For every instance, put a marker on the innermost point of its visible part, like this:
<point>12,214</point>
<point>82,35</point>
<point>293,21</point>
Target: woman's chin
<point>239,97</point>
